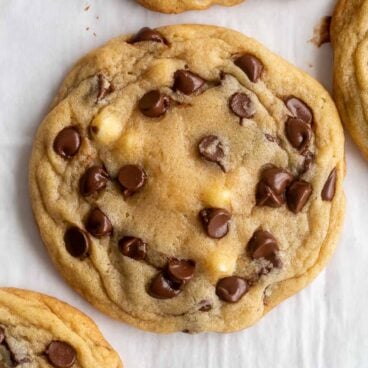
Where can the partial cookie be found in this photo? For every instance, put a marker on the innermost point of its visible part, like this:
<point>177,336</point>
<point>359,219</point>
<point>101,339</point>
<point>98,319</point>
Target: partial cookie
<point>350,41</point>
<point>39,331</point>
<point>188,179</point>
<point>179,6</point>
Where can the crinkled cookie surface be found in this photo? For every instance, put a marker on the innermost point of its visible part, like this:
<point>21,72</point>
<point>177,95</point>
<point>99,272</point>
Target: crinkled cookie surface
<point>188,179</point>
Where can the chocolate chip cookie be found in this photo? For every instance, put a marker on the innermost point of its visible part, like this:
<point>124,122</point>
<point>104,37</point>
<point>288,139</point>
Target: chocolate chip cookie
<point>188,179</point>
<point>349,39</point>
<point>179,6</point>
<point>39,331</point>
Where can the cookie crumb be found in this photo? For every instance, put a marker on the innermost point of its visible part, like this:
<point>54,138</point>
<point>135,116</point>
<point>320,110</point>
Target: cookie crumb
<point>87,7</point>
<point>97,17</point>
<point>94,33</point>
<point>87,28</point>
<point>321,32</point>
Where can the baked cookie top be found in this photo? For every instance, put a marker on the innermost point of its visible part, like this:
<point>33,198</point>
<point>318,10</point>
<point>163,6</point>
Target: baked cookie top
<point>349,38</point>
<point>179,6</point>
<point>188,179</point>
<point>39,331</point>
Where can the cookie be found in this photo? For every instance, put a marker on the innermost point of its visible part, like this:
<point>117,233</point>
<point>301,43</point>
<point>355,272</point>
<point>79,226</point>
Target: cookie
<point>179,6</point>
<point>39,331</point>
<point>349,39</point>
<point>188,179</point>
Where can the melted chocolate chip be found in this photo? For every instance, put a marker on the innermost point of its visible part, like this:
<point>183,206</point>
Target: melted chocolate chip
<point>2,335</point>
<point>187,82</point>
<point>231,289</point>
<point>133,247</point>
<point>205,306</point>
<point>211,149</point>
<point>60,354</point>
<point>215,221</point>
<point>272,139</point>
<point>104,88</point>
<point>148,34</point>
<point>163,288</point>
<point>154,104</point>
<point>93,180</point>
<point>329,189</point>
<point>180,270</point>
<point>308,161</point>
<point>298,133</point>
<point>67,142</point>
<point>299,109</point>
<point>76,242</point>
<point>98,224</point>
<point>272,186</point>
<point>131,178</point>
<point>298,194</point>
<point>251,66</point>
<point>241,105</point>
<point>262,245</point>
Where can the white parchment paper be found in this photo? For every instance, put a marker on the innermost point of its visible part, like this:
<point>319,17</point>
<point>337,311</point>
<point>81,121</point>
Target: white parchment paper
<point>324,326</point>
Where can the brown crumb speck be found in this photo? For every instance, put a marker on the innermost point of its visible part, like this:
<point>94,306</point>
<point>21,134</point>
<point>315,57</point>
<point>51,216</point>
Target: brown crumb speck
<point>97,17</point>
<point>321,32</point>
<point>87,7</point>
<point>94,33</point>
<point>87,28</point>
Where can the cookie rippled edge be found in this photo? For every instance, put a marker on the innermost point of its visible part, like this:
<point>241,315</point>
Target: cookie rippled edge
<point>179,6</point>
<point>349,40</point>
<point>36,329</point>
<point>297,177</point>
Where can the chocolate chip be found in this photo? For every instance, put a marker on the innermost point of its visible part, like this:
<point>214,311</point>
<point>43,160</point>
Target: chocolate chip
<point>298,194</point>
<point>104,87</point>
<point>211,149</point>
<point>163,288</point>
<point>272,186</point>
<point>131,178</point>
<point>298,133</point>
<point>180,270</point>
<point>187,82</point>
<point>276,178</point>
<point>308,161</point>
<point>321,32</point>
<point>299,109</point>
<point>262,245</point>
<point>251,66</point>
<point>60,354</point>
<point>67,142</point>
<point>148,34</point>
<point>133,247</point>
<point>242,106</point>
<point>2,335</point>
<point>93,180</point>
<point>231,289</point>
<point>329,189</point>
<point>205,306</point>
<point>76,242</point>
<point>154,104</point>
<point>215,221</point>
<point>98,224</point>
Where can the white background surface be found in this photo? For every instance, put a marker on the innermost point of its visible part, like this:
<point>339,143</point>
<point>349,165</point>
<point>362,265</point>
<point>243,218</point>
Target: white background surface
<point>325,326</point>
